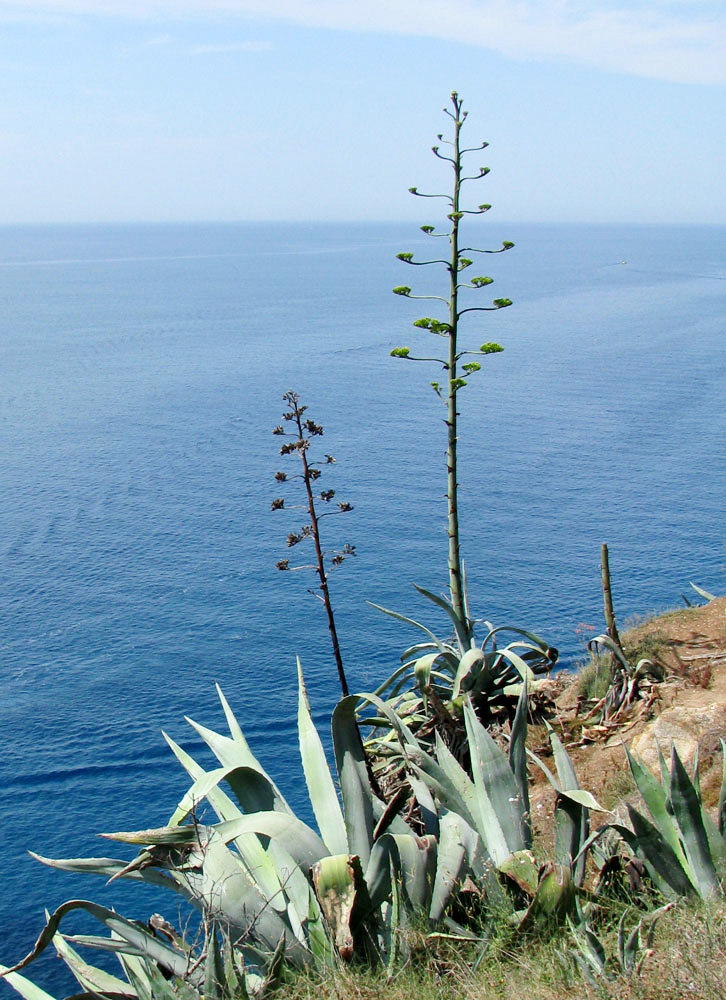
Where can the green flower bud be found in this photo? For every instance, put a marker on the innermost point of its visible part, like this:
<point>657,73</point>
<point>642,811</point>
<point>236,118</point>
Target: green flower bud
<point>424,323</point>
<point>502,303</point>
<point>457,383</point>
<point>480,282</point>
<point>400,352</point>
<point>490,348</point>
<point>471,366</point>
<point>427,229</point>
<point>464,262</point>
<point>507,244</point>
<point>402,290</point>
<point>405,256</point>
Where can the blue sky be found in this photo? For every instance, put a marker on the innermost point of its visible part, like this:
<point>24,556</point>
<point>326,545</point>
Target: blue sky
<point>595,110</point>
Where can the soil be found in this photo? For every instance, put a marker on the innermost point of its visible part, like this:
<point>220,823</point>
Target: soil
<point>689,647</point>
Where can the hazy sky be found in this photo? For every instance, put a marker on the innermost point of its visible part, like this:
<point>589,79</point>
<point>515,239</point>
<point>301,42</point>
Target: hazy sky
<point>595,110</point>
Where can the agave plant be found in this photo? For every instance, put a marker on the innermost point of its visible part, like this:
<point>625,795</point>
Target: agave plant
<point>681,847</point>
<point>626,679</point>
<point>269,883</point>
<point>456,666</point>
<point>489,806</point>
<point>631,951</point>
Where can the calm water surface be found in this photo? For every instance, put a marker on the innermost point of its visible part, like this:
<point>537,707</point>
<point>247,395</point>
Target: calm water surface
<point>141,373</point>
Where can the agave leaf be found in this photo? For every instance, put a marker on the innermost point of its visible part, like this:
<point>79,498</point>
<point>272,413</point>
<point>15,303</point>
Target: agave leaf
<point>393,719</point>
<point>492,634</point>
<point>91,978</point>
<point>205,783</point>
<point>323,796</point>
<point>411,860</point>
<point>613,648</point>
<point>215,978</point>
<point>466,671</point>
<point>224,807</point>
<point>687,810</point>
<point>418,649</point>
<point>353,778</point>
<point>663,866</point>
<point>442,648</point>
<point>722,794</point>
<point>426,805</point>
<point>571,818</point>
<point>501,809</point>
<point>627,947</point>
<point>591,950</point>
<point>518,762</point>
<point>336,881</point>
<point>457,840</point>
<point>522,869</point>
<point>398,674</point>
<point>462,629</point>
<point>422,675</point>
<point>554,898</point>
<point>262,794</point>
<point>520,665</point>
<point>655,798</point>
<point>235,730</point>
<point>136,937</point>
<point>450,783</point>
<point>571,832</point>
<point>110,868</point>
<point>251,850</point>
<point>665,774</point>
<point>703,593</point>
<point>23,986</point>
<point>231,896</point>
<point>568,785</point>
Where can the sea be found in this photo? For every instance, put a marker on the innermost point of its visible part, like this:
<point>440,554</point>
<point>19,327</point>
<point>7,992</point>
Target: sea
<point>142,370</point>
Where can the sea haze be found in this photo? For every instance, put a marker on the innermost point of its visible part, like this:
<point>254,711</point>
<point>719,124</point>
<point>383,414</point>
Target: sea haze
<point>142,370</point>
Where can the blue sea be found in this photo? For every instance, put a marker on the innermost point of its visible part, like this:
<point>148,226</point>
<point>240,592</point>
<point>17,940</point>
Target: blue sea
<point>142,370</point>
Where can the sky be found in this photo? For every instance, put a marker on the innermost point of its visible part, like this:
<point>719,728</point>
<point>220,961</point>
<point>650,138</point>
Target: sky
<point>191,110</point>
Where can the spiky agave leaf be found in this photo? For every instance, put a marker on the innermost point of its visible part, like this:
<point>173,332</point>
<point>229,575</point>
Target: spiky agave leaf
<point>321,788</point>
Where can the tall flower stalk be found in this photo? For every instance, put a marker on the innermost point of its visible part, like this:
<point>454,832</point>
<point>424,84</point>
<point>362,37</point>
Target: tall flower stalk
<point>301,433</point>
<point>456,375</point>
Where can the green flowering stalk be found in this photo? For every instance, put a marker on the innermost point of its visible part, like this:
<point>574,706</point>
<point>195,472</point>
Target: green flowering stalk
<point>453,382</point>
<point>299,444</point>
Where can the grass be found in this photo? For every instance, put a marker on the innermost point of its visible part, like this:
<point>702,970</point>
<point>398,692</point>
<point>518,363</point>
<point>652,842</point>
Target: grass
<point>595,678</point>
<point>688,960</point>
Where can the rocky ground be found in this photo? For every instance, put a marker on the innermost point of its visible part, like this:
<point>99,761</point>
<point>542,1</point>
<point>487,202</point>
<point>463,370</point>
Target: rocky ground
<point>687,708</point>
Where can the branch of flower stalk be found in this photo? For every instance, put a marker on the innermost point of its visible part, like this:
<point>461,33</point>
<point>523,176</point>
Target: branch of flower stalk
<point>506,245</point>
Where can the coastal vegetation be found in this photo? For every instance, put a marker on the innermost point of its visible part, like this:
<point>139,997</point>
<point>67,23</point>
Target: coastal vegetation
<point>454,849</point>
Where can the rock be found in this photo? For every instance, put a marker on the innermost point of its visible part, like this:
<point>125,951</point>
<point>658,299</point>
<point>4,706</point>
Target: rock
<point>685,727</point>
